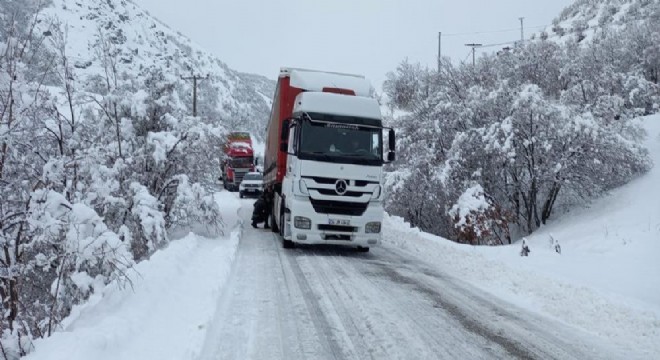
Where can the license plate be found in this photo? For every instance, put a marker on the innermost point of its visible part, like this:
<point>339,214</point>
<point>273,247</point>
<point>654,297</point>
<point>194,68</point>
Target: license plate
<point>339,222</point>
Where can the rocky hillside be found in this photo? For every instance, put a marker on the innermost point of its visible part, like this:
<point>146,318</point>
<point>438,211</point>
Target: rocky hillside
<point>141,43</point>
<point>582,19</point>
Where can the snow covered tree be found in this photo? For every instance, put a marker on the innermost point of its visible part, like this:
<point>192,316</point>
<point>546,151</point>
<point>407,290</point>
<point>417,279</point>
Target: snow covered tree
<point>543,126</point>
<point>96,171</point>
<point>478,220</point>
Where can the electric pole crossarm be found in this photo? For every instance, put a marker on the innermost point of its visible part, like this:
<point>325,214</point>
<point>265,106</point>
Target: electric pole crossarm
<point>474,47</point>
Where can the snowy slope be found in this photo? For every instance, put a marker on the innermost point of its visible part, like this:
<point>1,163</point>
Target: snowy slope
<point>606,279</point>
<point>583,18</point>
<point>163,313</point>
<point>241,101</point>
<point>614,244</point>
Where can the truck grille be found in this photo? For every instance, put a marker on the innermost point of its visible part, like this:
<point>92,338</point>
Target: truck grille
<point>332,192</point>
<point>360,183</point>
<point>239,174</point>
<point>339,207</point>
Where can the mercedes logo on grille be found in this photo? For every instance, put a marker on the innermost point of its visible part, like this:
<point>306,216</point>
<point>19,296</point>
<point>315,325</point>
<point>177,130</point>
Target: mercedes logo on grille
<point>341,186</point>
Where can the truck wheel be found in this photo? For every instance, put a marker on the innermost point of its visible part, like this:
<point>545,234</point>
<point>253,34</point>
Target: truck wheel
<point>240,194</point>
<point>287,244</point>
<point>363,249</point>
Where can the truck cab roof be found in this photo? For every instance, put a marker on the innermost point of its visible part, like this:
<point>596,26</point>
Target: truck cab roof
<point>312,80</point>
<point>336,104</point>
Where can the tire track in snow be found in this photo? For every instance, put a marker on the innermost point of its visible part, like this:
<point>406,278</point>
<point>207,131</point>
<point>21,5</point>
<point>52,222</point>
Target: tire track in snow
<point>384,319</point>
<point>250,321</point>
<point>531,337</point>
<point>335,294</point>
<point>321,323</point>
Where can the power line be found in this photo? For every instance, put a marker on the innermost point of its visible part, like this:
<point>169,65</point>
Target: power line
<point>536,27</point>
<point>495,31</point>
<point>499,44</point>
<point>554,35</point>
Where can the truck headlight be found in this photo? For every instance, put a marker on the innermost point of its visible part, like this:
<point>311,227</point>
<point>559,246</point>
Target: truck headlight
<point>303,187</point>
<point>372,227</point>
<point>301,222</point>
<point>376,193</point>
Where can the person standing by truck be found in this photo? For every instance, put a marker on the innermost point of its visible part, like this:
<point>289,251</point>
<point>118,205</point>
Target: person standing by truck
<point>261,210</point>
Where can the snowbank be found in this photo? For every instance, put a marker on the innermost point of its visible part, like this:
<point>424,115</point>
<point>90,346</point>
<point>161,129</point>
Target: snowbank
<point>163,313</point>
<point>605,280</point>
<point>538,290</point>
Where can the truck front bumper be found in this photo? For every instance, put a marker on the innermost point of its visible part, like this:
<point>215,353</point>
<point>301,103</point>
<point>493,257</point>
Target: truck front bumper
<point>333,229</point>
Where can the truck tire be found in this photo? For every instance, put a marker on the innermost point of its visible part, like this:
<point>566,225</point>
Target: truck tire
<point>363,249</point>
<point>287,244</point>
<point>240,194</point>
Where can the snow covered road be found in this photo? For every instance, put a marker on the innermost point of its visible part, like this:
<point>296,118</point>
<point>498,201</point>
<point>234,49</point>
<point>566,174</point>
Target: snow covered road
<point>335,303</point>
<point>243,296</point>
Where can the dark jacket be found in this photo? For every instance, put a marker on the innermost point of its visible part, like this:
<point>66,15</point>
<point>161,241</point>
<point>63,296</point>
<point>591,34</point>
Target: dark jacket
<point>261,209</point>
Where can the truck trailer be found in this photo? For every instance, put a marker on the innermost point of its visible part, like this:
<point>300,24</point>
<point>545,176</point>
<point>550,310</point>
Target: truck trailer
<point>323,165</point>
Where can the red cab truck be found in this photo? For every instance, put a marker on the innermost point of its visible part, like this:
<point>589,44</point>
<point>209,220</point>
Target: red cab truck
<point>238,159</point>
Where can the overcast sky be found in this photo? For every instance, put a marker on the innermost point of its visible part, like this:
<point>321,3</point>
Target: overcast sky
<point>368,37</point>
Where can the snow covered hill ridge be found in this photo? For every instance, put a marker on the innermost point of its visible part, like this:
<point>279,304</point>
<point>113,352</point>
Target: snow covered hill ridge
<point>237,100</point>
<point>583,18</point>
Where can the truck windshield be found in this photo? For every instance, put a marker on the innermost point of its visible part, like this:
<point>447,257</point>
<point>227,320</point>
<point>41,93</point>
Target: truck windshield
<point>340,143</point>
<point>241,162</point>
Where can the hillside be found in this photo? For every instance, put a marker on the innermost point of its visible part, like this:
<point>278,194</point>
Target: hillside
<point>237,100</point>
<point>604,281</point>
<point>583,18</point>
<point>101,162</point>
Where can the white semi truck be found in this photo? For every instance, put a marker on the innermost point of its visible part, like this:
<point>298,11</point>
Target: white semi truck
<point>325,151</point>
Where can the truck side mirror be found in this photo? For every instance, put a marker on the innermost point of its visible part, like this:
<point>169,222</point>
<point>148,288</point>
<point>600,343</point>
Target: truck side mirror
<point>392,140</point>
<point>285,130</point>
<point>391,156</point>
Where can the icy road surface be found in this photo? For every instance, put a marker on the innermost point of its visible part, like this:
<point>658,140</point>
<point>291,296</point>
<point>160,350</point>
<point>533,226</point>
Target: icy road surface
<point>335,303</point>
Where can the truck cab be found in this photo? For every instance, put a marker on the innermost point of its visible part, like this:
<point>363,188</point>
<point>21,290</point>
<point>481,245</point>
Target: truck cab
<point>238,159</point>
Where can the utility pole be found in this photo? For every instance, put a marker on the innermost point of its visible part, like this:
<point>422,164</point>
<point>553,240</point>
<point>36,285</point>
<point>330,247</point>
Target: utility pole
<point>522,33</point>
<point>195,78</point>
<point>474,47</point>
<point>439,50</point>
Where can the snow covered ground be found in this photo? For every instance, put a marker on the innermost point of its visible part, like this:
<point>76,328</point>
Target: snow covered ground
<point>164,313</point>
<point>606,280</point>
<point>243,296</point>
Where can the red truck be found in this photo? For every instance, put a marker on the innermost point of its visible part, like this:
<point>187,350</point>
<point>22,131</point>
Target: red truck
<point>323,165</point>
<point>238,159</point>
